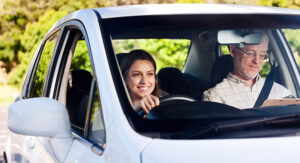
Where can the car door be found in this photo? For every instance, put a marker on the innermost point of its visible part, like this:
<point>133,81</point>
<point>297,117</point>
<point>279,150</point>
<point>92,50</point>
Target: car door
<point>74,85</point>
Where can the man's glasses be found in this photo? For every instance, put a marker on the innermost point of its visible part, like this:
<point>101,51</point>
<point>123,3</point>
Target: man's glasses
<point>252,54</point>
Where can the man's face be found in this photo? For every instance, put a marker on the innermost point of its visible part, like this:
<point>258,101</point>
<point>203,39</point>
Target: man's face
<point>247,66</point>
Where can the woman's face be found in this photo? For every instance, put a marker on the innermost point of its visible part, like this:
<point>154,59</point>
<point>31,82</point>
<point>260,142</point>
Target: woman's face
<point>140,79</point>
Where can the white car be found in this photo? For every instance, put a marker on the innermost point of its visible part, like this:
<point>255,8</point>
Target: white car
<point>71,111</point>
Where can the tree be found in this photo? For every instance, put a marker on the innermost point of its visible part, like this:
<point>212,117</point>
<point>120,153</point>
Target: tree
<point>166,52</point>
<point>30,41</point>
<point>280,3</point>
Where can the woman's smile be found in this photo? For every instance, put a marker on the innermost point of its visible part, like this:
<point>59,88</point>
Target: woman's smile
<point>140,79</point>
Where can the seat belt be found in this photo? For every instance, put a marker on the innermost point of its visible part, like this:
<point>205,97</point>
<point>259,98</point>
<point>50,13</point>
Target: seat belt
<point>266,89</point>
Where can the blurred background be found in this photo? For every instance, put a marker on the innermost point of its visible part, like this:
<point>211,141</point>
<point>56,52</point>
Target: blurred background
<point>23,23</point>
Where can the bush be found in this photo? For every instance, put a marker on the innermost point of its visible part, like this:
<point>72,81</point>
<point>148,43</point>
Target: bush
<point>166,52</point>
<point>33,35</point>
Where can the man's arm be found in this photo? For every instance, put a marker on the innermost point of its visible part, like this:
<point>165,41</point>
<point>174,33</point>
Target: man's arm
<point>278,91</point>
<point>211,95</point>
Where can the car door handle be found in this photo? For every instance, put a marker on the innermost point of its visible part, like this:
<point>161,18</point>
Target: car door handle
<point>30,143</point>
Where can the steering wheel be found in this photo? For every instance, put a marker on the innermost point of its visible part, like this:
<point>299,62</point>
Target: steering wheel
<point>176,98</point>
<point>170,99</point>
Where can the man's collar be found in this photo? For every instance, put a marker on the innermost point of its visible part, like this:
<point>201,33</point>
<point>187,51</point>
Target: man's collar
<point>236,79</point>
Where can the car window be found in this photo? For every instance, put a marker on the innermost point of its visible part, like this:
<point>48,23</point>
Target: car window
<point>81,58</point>
<point>166,52</point>
<point>82,99</point>
<point>42,66</point>
<point>202,50</point>
<point>292,36</point>
<point>96,129</point>
<point>224,50</point>
<point>78,88</point>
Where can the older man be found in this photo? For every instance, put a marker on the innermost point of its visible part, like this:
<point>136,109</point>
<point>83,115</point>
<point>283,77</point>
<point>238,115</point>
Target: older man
<point>242,87</point>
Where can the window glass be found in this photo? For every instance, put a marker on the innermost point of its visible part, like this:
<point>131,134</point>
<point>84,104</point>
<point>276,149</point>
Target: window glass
<point>292,36</point>
<point>96,131</point>
<point>78,87</point>
<point>166,52</point>
<point>151,34</point>
<point>224,50</point>
<point>43,64</point>
<point>81,57</point>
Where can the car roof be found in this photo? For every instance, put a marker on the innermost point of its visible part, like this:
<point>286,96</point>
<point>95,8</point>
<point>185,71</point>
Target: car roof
<point>187,9</point>
<point>175,9</point>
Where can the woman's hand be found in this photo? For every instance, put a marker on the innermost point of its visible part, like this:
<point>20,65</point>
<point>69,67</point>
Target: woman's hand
<point>147,103</point>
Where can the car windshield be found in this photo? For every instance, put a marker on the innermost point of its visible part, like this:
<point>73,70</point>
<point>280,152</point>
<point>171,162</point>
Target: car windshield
<point>187,49</point>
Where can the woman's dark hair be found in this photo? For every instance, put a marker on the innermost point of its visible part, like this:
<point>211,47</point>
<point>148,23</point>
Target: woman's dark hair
<point>128,60</point>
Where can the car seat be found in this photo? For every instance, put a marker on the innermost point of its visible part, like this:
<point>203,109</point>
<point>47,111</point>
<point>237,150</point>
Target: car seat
<point>222,66</point>
<point>120,57</point>
<point>79,85</point>
<point>171,80</point>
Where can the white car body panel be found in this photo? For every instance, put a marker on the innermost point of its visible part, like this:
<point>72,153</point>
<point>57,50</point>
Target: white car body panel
<point>178,9</point>
<point>123,143</point>
<point>80,153</point>
<point>30,149</point>
<point>259,150</point>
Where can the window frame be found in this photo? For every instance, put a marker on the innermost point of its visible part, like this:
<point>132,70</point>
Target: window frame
<point>88,126</point>
<point>288,61</point>
<point>37,61</point>
<point>70,29</point>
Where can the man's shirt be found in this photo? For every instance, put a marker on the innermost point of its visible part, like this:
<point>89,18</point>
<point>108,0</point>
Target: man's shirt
<point>238,93</point>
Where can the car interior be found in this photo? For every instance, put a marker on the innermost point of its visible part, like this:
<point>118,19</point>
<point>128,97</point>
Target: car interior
<point>207,63</point>
<point>206,66</point>
<point>78,96</point>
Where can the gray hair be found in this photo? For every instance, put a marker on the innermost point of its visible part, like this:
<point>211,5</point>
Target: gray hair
<point>265,37</point>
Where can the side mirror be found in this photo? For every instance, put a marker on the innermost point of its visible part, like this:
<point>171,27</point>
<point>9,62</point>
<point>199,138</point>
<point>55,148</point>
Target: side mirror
<point>239,37</point>
<point>39,117</point>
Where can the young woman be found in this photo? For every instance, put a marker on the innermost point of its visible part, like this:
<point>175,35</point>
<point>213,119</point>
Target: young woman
<point>138,69</point>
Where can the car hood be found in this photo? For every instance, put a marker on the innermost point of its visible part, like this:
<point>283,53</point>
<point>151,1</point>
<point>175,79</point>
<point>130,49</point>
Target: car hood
<point>285,149</point>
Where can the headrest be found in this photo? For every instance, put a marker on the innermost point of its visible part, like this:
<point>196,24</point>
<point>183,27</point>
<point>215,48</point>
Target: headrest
<point>170,80</point>
<point>222,66</point>
<point>120,57</point>
<point>81,79</point>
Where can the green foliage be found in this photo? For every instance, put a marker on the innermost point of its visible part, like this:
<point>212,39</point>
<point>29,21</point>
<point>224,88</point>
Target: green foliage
<point>30,41</point>
<point>81,59</point>
<point>15,15</point>
<point>224,50</point>
<point>293,39</point>
<point>123,46</point>
<point>276,3</point>
<point>17,76</point>
<point>42,68</point>
<point>166,52</point>
<point>265,69</point>
<point>280,3</point>
<point>189,1</point>
<point>23,23</point>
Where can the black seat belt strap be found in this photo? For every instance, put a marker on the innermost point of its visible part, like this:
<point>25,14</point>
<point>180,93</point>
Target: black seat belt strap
<point>266,89</point>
